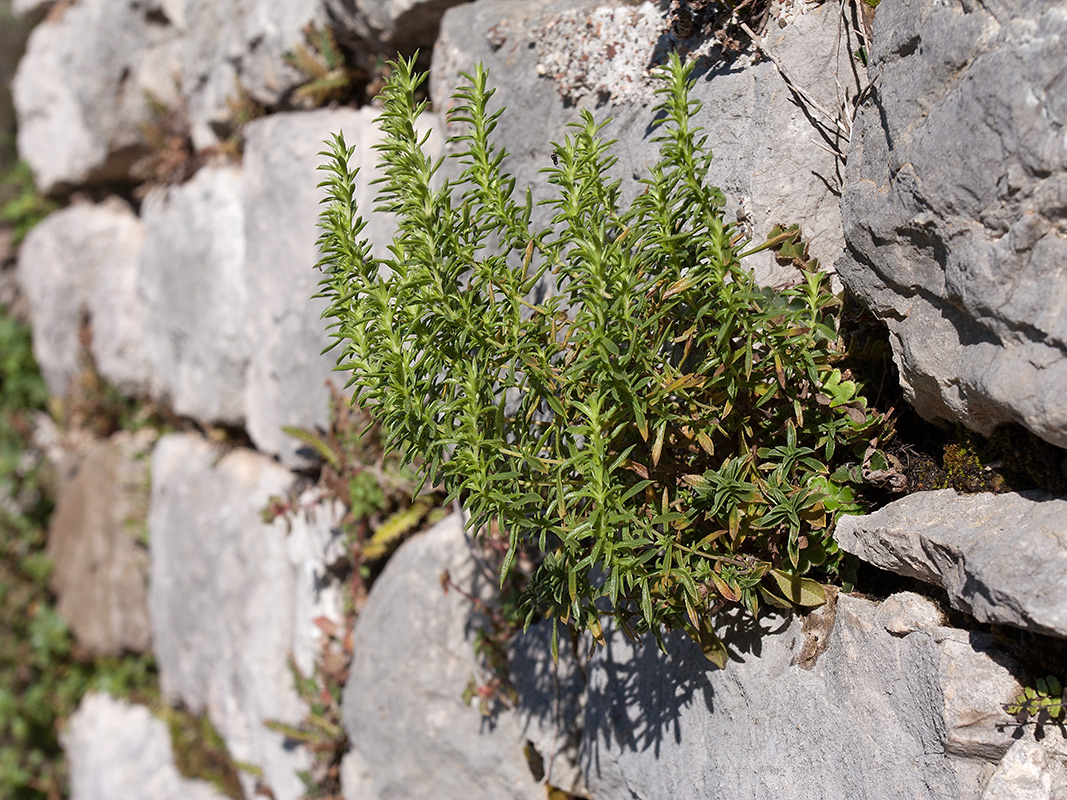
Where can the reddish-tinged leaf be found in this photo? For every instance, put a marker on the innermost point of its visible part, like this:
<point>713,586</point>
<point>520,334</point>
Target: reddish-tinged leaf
<point>725,589</point>
<point>327,626</point>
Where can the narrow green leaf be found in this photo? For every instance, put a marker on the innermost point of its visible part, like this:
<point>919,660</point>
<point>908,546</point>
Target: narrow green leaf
<point>799,591</point>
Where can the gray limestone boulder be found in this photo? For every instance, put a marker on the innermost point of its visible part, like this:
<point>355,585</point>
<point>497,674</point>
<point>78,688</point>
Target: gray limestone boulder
<point>550,60</point>
<point>193,289</point>
<point>237,47</point>
<point>119,751</point>
<point>411,734</point>
<point>86,86</point>
<point>97,542</point>
<point>955,205</point>
<point>97,72</point>
<point>829,708</point>
<point>400,24</point>
<point>78,270</point>
<point>288,371</point>
<point>1031,770</point>
<point>859,699</point>
<point>1000,557</point>
<point>232,597</point>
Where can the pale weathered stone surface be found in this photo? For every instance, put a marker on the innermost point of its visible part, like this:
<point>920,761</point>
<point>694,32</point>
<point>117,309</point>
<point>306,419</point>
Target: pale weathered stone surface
<point>976,680</point>
<point>192,285</point>
<point>401,24</point>
<point>633,723</point>
<point>97,541</point>
<point>1022,774</point>
<point>956,203</point>
<point>238,46</point>
<point>414,655</point>
<point>905,612</point>
<point>550,60</point>
<point>1000,557</point>
<point>80,264</point>
<point>871,718</point>
<point>93,73</point>
<point>83,89</point>
<point>119,751</point>
<point>288,372</point>
<point>232,596</point>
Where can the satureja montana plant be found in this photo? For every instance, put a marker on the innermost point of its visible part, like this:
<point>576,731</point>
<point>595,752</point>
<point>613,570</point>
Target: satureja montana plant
<point>671,437</point>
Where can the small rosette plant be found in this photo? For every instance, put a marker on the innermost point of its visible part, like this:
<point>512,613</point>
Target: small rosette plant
<point>670,437</point>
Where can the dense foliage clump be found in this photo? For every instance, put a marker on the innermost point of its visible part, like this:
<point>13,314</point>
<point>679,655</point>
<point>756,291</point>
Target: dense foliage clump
<point>667,435</point>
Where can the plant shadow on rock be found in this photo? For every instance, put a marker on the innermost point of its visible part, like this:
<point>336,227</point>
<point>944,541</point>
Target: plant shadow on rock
<point>620,699</point>
<point>629,703</point>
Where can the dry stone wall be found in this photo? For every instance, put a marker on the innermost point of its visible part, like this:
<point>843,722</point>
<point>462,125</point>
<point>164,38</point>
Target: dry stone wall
<point>955,205</point>
<point>948,223</point>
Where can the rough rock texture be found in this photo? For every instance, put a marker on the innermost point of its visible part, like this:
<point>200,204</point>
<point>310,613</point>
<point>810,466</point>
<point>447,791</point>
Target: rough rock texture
<point>80,264</point>
<point>1000,557</point>
<point>82,90</point>
<point>956,208</point>
<point>633,723</point>
<point>231,597</point>
<point>882,710</point>
<point>549,60</point>
<point>96,541</point>
<point>905,612</point>
<point>411,731</point>
<point>1030,770</point>
<point>93,73</point>
<point>288,372</point>
<point>192,283</point>
<point>402,24</point>
<point>119,751</point>
<point>238,46</point>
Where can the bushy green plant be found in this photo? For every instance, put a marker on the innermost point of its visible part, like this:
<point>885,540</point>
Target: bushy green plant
<point>671,436</point>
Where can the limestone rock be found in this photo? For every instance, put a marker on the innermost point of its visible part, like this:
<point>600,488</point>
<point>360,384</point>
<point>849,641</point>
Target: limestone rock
<point>550,60</point>
<point>232,596</point>
<point>234,47</point>
<point>96,541</point>
<point>905,612</point>
<point>80,265</point>
<point>193,287</point>
<point>288,371</point>
<point>1022,774</point>
<point>119,751</point>
<point>401,24</point>
<point>414,655</point>
<point>1001,558</point>
<point>955,204</point>
<point>86,86</point>
<point>880,709</point>
<point>551,701</point>
<point>976,680</point>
